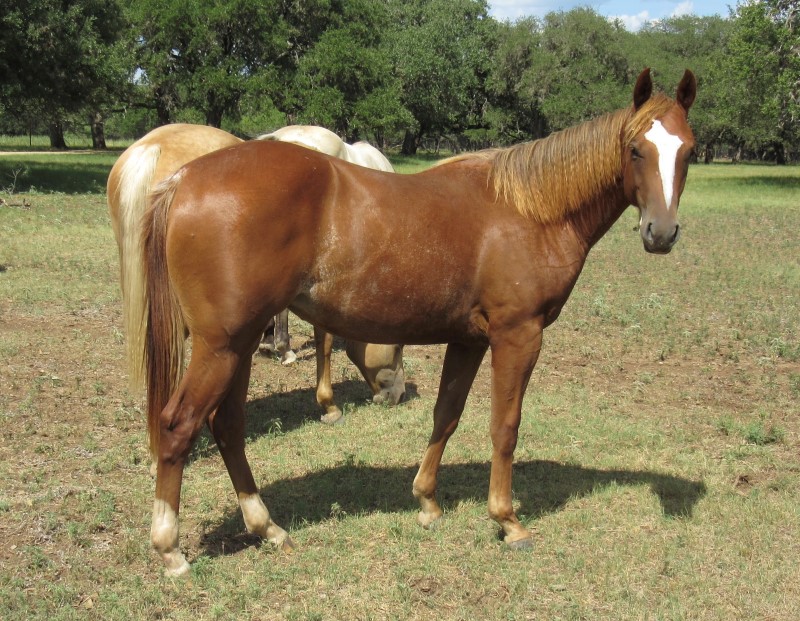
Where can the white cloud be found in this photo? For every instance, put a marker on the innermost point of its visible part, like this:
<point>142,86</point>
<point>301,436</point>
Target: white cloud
<point>684,8</point>
<point>514,9</point>
<point>633,22</point>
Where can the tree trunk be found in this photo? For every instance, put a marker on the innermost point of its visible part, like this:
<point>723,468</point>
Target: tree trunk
<point>163,106</point>
<point>97,123</point>
<point>56,131</point>
<point>214,117</point>
<point>409,143</point>
<point>708,154</point>
<point>780,154</point>
<point>214,111</point>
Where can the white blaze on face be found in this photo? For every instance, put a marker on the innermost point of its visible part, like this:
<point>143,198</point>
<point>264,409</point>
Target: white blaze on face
<point>667,145</point>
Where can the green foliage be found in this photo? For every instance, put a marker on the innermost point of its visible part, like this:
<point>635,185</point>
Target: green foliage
<point>441,56</point>
<point>345,80</point>
<point>203,54</point>
<point>582,68</point>
<point>58,58</point>
<point>758,77</point>
<point>392,71</point>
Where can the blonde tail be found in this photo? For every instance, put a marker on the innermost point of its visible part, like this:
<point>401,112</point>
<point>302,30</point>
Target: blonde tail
<point>135,179</point>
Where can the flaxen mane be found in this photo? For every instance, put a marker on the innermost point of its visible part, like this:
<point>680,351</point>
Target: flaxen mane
<point>550,178</point>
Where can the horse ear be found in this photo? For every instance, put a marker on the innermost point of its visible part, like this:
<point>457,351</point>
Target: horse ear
<point>643,89</point>
<point>687,90</point>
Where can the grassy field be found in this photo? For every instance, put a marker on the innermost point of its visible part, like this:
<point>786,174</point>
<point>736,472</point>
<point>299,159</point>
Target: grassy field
<point>657,463</point>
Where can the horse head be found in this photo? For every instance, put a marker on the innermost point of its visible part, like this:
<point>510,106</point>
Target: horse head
<point>657,147</point>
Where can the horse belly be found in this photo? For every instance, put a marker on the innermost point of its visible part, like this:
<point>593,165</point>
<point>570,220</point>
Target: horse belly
<point>388,306</point>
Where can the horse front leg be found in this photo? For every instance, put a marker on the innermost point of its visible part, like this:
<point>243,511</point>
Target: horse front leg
<point>227,425</point>
<point>323,342</point>
<point>461,364</point>
<point>513,357</point>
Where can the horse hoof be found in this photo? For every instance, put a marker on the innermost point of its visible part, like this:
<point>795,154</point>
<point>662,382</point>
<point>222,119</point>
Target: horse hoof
<point>176,566</point>
<point>521,544</point>
<point>429,522</point>
<point>287,546</point>
<point>333,418</point>
<point>289,358</point>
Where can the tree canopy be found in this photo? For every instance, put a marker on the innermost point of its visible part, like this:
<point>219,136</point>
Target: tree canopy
<point>405,73</point>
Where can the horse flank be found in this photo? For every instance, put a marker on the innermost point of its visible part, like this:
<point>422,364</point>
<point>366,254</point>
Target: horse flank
<point>547,179</point>
<point>134,182</point>
<point>164,346</point>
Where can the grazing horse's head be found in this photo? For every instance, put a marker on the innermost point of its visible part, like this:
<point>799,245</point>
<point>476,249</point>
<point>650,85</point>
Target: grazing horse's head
<point>657,147</point>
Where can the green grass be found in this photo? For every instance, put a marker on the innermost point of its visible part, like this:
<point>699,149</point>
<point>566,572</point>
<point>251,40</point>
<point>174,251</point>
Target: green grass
<point>657,463</point>
<point>42,143</point>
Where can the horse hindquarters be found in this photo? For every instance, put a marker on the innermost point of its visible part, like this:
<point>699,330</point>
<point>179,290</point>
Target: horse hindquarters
<point>215,381</point>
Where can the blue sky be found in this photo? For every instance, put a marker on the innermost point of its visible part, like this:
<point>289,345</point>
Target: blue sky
<point>633,13</point>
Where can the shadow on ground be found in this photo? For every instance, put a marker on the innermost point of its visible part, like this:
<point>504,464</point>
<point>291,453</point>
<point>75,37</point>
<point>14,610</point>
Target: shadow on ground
<point>282,412</point>
<point>542,487</point>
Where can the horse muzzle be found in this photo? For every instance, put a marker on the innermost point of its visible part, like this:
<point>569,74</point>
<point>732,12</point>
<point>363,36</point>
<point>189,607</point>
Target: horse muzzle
<point>659,238</point>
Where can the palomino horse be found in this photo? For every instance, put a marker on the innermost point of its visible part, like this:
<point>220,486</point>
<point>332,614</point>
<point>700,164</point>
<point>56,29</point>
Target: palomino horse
<point>483,252</point>
<point>325,141</point>
<point>159,154</point>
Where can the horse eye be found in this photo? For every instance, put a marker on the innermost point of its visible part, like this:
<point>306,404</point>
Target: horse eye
<point>636,154</point>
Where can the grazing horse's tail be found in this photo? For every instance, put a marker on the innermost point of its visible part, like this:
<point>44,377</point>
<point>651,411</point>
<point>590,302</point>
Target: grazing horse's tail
<point>165,341</point>
<point>133,184</point>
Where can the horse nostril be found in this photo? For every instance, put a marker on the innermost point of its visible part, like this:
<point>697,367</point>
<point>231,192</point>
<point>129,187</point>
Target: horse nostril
<point>677,234</point>
<point>649,232</point>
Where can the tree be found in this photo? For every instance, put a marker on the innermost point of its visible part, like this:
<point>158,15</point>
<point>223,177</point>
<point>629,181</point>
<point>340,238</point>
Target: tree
<point>204,53</point>
<point>57,58</point>
<point>441,51</point>
<point>699,44</point>
<point>580,69</point>
<point>759,74</point>
<point>515,112</point>
<point>344,81</point>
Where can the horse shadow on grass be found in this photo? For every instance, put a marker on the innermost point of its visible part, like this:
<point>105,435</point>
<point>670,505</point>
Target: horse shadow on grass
<point>540,487</point>
<point>285,411</point>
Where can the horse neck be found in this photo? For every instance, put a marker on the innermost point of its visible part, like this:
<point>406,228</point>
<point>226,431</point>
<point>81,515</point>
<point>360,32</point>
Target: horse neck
<point>594,221</point>
<point>573,175</point>
<point>591,186</point>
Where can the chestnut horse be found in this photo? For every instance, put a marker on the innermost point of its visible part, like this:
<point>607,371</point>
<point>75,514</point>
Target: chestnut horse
<point>155,157</point>
<point>480,253</point>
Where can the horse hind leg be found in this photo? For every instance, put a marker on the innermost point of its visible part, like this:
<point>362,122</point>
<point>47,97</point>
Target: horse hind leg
<point>282,343</point>
<point>323,342</point>
<point>227,425</point>
<point>267,344</point>
<point>276,338</point>
<point>382,368</point>
<point>207,380</point>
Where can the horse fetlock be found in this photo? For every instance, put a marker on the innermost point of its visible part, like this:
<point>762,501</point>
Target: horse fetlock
<point>390,386</point>
<point>430,512</point>
<point>164,537</point>
<point>515,535</point>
